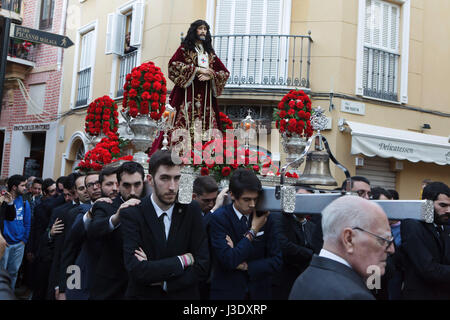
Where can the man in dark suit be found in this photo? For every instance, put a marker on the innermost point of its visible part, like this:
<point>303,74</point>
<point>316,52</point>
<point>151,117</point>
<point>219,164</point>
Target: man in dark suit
<point>79,250</point>
<point>164,242</point>
<point>294,234</point>
<point>110,277</point>
<point>55,238</point>
<point>245,251</point>
<point>357,241</point>
<point>39,240</point>
<point>426,248</point>
<point>88,190</point>
<point>206,194</point>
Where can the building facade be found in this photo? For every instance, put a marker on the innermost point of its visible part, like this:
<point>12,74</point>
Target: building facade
<point>32,89</point>
<point>377,67</point>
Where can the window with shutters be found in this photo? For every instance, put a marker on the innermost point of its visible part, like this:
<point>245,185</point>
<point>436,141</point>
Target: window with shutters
<point>247,39</point>
<point>124,40</point>
<point>382,65</point>
<point>85,69</point>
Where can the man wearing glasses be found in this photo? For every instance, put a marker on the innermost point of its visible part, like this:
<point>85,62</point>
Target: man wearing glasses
<point>357,242</point>
<point>360,185</point>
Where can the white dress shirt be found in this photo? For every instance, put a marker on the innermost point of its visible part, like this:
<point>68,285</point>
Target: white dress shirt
<point>330,255</point>
<point>239,215</point>
<point>167,218</point>
<point>167,221</point>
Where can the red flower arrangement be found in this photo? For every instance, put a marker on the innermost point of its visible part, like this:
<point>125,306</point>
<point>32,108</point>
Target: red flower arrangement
<point>102,116</point>
<point>293,114</point>
<point>222,157</point>
<point>106,151</point>
<point>144,91</point>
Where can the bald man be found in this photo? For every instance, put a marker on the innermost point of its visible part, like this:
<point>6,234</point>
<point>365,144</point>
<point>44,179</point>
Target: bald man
<point>357,242</point>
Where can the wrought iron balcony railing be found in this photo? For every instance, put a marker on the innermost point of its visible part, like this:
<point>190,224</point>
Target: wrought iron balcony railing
<point>127,63</point>
<point>84,86</point>
<point>380,74</point>
<point>266,61</point>
<point>22,50</point>
<point>11,5</point>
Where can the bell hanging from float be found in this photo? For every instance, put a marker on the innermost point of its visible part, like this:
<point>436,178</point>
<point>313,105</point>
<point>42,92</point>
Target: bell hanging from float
<point>317,168</point>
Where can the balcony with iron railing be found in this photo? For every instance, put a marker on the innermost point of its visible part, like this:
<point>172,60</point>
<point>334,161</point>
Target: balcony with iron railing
<point>380,74</point>
<point>266,61</point>
<point>22,52</point>
<point>127,63</point>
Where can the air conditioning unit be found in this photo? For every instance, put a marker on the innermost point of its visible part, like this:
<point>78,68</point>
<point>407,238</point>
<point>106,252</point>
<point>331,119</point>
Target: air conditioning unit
<point>359,161</point>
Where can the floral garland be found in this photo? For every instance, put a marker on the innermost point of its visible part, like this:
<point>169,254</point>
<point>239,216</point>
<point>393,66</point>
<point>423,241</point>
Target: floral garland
<point>145,91</point>
<point>293,114</point>
<point>102,116</point>
<point>105,152</point>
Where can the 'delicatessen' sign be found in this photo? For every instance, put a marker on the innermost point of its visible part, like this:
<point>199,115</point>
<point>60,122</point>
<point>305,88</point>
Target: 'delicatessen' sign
<point>39,36</point>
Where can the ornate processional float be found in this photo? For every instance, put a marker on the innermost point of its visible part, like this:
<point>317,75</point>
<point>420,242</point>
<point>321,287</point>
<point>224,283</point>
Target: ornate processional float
<point>218,152</point>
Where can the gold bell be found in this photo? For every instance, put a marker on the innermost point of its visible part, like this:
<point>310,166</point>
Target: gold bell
<point>317,169</point>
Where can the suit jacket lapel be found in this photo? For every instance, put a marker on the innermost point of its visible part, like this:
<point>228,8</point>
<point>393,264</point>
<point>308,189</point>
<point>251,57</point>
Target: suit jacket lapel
<point>235,223</point>
<point>431,228</point>
<point>174,225</point>
<point>152,221</point>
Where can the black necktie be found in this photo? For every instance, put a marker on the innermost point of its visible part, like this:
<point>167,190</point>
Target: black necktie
<point>162,225</point>
<point>442,235</point>
<point>244,222</point>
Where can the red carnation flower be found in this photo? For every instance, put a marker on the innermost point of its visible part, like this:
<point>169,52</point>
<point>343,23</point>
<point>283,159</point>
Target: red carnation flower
<point>133,112</point>
<point>226,171</point>
<point>146,86</point>
<point>155,106</point>
<point>204,171</point>
<point>145,95</point>
<point>135,83</point>
<point>132,93</point>
<point>256,168</point>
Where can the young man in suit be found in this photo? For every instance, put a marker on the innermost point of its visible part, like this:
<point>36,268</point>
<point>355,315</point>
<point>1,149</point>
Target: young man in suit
<point>357,241</point>
<point>294,234</point>
<point>110,277</point>
<point>74,186</point>
<point>426,248</point>
<point>206,193</point>
<point>164,242</point>
<point>245,251</point>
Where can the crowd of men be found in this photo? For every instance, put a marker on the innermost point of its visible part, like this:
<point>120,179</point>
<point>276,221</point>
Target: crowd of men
<point>121,234</point>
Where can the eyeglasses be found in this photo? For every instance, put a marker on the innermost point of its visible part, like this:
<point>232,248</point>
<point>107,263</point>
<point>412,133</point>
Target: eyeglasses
<point>382,240</point>
<point>361,193</point>
<point>91,184</point>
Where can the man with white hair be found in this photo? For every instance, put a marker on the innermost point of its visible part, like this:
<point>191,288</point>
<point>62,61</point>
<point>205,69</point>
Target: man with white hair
<point>357,241</point>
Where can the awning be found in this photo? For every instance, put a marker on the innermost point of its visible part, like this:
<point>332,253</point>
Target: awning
<point>399,144</point>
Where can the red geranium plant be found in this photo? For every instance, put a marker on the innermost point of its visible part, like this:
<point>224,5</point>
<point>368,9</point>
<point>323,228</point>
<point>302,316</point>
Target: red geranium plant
<point>108,150</point>
<point>102,116</point>
<point>144,91</point>
<point>293,113</point>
